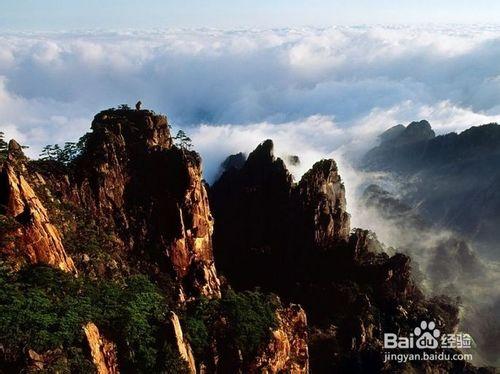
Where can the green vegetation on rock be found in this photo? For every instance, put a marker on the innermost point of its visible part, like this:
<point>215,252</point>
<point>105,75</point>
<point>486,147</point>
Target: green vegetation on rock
<point>44,310</point>
<point>250,317</point>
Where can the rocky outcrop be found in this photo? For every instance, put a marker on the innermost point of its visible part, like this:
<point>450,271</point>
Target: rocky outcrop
<point>148,193</point>
<point>287,352</point>
<point>154,194</point>
<point>296,240</point>
<point>269,219</point>
<point>233,161</point>
<point>37,362</point>
<point>180,343</point>
<point>34,239</point>
<point>102,350</point>
<point>322,196</point>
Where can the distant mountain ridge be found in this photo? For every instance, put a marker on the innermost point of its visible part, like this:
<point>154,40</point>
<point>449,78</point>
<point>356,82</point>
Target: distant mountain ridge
<point>453,178</point>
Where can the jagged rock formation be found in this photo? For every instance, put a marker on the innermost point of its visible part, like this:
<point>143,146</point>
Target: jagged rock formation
<point>148,213</point>
<point>149,193</point>
<point>452,178</point>
<point>263,215</point>
<point>287,352</point>
<point>102,350</point>
<point>33,238</point>
<point>140,203</point>
<point>447,263</point>
<point>152,192</point>
<point>322,196</point>
<point>181,344</point>
<point>295,239</point>
<point>233,161</point>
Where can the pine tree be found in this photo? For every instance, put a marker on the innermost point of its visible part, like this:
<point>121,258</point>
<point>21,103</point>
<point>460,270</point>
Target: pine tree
<point>49,153</point>
<point>3,146</point>
<point>182,140</point>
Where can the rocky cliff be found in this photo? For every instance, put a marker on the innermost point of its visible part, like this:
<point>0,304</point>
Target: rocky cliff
<point>129,210</point>
<point>295,239</point>
<point>31,237</point>
<point>267,219</point>
<point>287,350</point>
<point>102,350</point>
<point>146,192</point>
<point>452,178</point>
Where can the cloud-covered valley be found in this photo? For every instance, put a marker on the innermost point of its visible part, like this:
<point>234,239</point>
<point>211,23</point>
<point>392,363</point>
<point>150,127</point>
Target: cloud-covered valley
<point>345,77</point>
<point>316,92</point>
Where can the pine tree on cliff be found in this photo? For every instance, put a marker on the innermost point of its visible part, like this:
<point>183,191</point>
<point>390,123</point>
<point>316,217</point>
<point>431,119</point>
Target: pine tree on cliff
<point>182,140</point>
<point>3,146</point>
<point>50,152</point>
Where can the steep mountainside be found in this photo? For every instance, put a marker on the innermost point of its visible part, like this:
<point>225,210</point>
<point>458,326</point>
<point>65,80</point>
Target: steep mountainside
<point>295,239</point>
<point>130,216</point>
<point>447,263</point>
<point>110,261</point>
<point>453,178</point>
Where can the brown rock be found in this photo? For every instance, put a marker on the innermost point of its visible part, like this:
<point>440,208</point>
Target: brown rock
<point>148,193</point>
<point>182,345</point>
<point>40,362</point>
<point>102,350</point>
<point>322,194</point>
<point>287,352</point>
<point>36,239</point>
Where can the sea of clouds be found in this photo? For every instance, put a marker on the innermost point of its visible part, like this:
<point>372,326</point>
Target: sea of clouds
<point>316,92</point>
<point>312,90</point>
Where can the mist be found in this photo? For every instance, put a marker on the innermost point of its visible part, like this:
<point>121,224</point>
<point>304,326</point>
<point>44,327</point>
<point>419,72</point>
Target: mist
<point>51,84</point>
<point>318,93</point>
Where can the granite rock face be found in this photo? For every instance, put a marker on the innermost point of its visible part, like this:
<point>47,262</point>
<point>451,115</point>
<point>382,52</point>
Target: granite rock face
<point>148,198</point>
<point>287,352</point>
<point>150,195</point>
<point>32,238</point>
<point>153,194</point>
<point>180,343</point>
<point>295,239</point>
<point>340,291</point>
<point>102,350</point>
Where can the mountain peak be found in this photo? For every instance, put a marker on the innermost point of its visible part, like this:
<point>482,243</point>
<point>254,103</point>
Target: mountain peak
<point>415,132</point>
<point>263,152</point>
<point>135,127</point>
<point>15,151</point>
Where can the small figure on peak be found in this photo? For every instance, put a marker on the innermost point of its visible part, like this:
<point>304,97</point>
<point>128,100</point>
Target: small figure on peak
<point>138,105</point>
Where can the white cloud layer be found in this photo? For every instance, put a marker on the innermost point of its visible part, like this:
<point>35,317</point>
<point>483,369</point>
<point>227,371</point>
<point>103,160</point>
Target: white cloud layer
<point>51,84</point>
<point>316,92</point>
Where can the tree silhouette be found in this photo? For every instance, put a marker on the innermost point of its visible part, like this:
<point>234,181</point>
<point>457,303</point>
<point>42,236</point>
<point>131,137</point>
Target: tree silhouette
<point>123,107</point>
<point>48,153</point>
<point>65,155</point>
<point>182,140</point>
<point>3,146</point>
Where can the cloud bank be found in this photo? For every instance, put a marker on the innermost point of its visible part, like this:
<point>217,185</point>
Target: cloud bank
<point>51,84</point>
<point>316,92</point>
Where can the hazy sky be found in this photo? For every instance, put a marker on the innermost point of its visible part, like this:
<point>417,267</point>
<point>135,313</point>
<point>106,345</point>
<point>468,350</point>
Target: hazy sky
<point>84,14</point>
